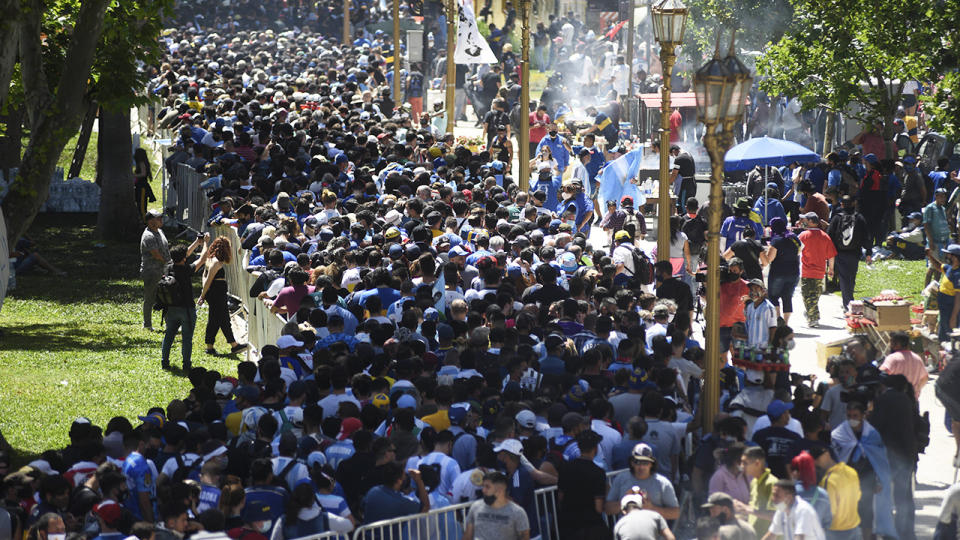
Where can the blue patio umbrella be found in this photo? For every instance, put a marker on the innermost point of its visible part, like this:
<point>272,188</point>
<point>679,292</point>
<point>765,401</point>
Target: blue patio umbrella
<point>766,152</point>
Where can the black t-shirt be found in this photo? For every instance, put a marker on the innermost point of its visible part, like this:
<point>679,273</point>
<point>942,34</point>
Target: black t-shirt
<point>787,261</point>
<point>777,442</point>
<point>461,76</point>
<point>581,481</point>
<point>183,274</point>
<point>749,250</point>
<point>684,163</point>
<point>678,291</point>
<point>490,82</point>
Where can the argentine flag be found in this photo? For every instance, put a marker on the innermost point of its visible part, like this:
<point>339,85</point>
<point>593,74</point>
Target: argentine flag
<point>615,179</point>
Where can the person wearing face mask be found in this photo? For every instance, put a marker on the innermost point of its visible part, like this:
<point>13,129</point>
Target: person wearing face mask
<point>559,147</point>
<point>496,516</point>
<point>858,444</point>
<point>721,508</point>
<point>795,518</point>
<point>521,484</point>
<point>49,526</point>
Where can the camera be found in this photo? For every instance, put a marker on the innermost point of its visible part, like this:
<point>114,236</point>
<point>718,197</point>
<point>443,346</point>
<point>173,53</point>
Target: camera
<point>726,276</point>
<point>861,393</point>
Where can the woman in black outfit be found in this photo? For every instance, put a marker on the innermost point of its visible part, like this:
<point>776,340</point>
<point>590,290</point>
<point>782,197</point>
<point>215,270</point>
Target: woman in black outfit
<point>215,293</point>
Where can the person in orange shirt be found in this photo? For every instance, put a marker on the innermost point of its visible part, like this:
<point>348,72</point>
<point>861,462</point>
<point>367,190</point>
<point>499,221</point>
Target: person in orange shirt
<point>816,259</point>
<point>676,124</point>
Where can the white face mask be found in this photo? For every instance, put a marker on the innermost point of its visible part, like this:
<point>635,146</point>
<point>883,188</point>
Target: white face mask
<point>781,506</point>
<point>854,423</point>
<point>60,536</point>
<point>791,344</point>
<point>264,526</point>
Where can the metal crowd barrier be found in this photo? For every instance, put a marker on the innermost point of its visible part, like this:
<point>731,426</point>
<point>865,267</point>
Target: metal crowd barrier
<point>263,327</point>
<point>325,536</point>
<point>193,207</point>
<point>445,523</point>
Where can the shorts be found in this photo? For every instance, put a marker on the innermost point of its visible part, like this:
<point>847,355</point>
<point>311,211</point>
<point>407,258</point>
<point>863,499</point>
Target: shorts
<point>908,100</point>
<point>949,402</point>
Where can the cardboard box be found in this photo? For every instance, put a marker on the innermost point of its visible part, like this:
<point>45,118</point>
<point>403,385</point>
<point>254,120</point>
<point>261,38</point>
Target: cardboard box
<point>888,315</point>
<point>826,350</point>
<point>930,320</point>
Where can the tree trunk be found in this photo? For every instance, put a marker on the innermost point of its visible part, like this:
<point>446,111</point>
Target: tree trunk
<point>118,217</point>
<point>59,118</point>
<point>9,36</point>
<point>10,147</point>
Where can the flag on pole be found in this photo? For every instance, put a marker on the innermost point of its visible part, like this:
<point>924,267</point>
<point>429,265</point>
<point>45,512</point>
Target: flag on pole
<point>613,31</point>
<point>616,179</point>
<point>471,47</point>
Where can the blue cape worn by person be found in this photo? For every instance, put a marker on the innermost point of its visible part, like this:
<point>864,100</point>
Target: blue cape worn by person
<point>846,445</point>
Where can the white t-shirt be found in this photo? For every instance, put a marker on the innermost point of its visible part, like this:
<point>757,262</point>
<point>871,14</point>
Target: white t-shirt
<point>802,519</point>
<point>623,254</point>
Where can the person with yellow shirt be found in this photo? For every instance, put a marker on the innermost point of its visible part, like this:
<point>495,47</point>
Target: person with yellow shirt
<point>440,420</point>
<point>949,285</point>
<point>760,510</point>
<point>843,487</point>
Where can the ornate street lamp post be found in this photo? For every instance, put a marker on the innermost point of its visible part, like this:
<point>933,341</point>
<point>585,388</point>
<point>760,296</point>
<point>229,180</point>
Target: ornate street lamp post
<point>721,87</point>
<point>669,20</point>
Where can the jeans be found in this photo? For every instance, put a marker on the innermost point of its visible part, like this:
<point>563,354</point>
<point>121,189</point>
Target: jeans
<point>849,534</point>
<point>848,262</point>
<point>179,318</point>
<point>780,288</point>
<point>151,278</point>
<point>540,59</point>
<point>902,470</point>
<point>945,303</point>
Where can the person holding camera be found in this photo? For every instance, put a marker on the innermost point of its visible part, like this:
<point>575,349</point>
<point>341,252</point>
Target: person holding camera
<point>732,290</point>
<point>182,314</point>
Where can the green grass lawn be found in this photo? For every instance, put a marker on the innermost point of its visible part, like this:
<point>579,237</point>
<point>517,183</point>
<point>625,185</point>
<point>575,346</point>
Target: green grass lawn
<point>905,277</point>
<point>73,346</point>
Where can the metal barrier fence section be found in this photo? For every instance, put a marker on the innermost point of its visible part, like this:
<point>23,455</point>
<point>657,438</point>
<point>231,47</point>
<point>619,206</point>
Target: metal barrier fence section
<point>324,536</point>
<point>193,207</point>
<point>263,327</point>
<point>445,523</point>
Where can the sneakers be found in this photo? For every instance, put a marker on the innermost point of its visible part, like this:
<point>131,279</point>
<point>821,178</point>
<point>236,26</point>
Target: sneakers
<point>239,347</point>
<point>165,366</point>
<point>813,324</point>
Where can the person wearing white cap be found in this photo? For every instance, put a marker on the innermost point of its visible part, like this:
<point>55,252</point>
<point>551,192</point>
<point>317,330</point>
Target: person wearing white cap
<point>639,523</point>
<point>642,474</point>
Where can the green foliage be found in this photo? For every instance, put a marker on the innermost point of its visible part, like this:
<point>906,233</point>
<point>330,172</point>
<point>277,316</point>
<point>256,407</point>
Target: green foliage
<point>842,52</point>
<point>128,44</point>
<point>943,107</point>
<point>761,22</point>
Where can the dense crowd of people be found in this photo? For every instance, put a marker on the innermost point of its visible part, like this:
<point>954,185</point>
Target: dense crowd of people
<point>450,338</point>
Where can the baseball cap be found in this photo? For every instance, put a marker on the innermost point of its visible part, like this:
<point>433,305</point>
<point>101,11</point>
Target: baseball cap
<point>952,249</point>
<point>457,414</point>
<point>718,499</point>
<point>392,233</point>
<point>871,158</point>
<point>626,201</point>
<point>632,497</point>
<point>643,452</point>
<point>513,446</point>
<point>348,427</point>
<point>152,214</point>
<point>406,401</point>
<point>526,419</point>
<point>286,341</point>
<point>776,408</point>
<point>621,235</point>
<point>256,511</point>
<point>810,215</point>
<point>458,251</point>
<point>757,282</point>
<point>109,511</point>
<point>914,215</point>
<point>381,401</point>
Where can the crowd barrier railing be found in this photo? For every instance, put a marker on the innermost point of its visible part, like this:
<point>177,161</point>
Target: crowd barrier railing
<point>324,536</point>
<point>263,327</point>
<point>193,207</point>
<point>445,523</point>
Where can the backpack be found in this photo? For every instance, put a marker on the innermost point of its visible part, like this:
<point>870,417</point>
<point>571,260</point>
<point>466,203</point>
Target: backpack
<point>845,233</point>
<point>631,219</point>
<point>285,423</point>
<point>280,480</point>
<point>643,268</point>
<point>696,230</point>
<point>186,472</point>
<point>168,293</point>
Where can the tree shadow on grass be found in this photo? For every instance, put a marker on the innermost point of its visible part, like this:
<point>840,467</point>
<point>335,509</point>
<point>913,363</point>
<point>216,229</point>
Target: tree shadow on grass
<point>63,337</point>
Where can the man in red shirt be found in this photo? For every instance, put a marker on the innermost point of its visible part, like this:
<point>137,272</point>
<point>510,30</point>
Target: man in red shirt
<point>676,122</point>
<point>732,290</point>
<point>816,259</point>
<point>539,120</point>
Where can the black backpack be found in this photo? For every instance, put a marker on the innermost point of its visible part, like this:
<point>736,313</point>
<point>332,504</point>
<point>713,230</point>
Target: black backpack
<point>643,268</point>
<point>186,472</point>
<point>696,230</point>
<point>846,232</point>
<point>168,292</point>
<point>280,480</point>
